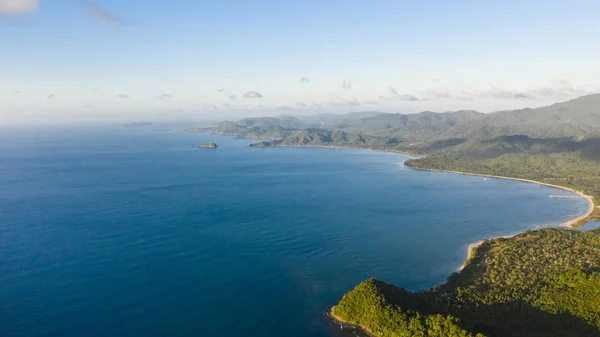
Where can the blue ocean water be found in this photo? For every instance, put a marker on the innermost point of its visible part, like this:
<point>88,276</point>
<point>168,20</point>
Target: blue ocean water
<point>128,232</point>
<point>591,225</point>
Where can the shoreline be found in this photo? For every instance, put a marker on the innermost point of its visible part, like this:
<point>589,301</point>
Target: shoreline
<point>471,247</point>
<point>569,224</point>
<point>352,148</point>
<point>343,323</point>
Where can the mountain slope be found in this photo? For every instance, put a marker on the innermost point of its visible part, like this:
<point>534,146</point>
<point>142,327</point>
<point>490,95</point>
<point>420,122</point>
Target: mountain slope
<point>572,118</point>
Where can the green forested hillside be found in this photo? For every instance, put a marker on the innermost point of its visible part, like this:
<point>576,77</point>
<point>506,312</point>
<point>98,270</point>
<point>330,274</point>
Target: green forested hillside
<point>564,162</point>
<point>538,283</point>
<point>573,118</point>
<point>377,307</point>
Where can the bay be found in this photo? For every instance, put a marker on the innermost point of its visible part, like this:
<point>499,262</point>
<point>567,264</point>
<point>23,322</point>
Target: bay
<point>129,232</point>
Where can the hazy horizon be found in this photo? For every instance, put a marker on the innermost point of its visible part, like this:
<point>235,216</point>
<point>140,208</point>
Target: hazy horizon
<point>216,61</point>
<point>185,119</point>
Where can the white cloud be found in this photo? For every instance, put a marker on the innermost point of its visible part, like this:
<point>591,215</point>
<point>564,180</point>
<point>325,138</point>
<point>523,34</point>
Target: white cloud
<point>393,91</point>
<point>351,102</point>
<point>302,105</point>
<point>442,93</point>
<point>101,15</point>
<point>123,96</point>
<point>558,88</point>
<point>18,7</point>
<point>163,97</point>
<point>284,107</point>
<point>398,97</point>
<point>252,94</point>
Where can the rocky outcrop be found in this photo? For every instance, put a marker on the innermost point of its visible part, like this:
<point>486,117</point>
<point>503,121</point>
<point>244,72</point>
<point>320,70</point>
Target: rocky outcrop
<point>261,144</point>
<point>207,146</point>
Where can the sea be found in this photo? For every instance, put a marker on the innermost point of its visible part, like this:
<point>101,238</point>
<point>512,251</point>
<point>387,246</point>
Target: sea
<point>114,231</point>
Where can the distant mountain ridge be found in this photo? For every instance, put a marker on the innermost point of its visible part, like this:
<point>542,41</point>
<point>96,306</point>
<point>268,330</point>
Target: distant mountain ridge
<point>572,118</point>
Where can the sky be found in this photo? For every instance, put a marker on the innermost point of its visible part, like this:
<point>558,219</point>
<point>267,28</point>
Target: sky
<point>70,61</point>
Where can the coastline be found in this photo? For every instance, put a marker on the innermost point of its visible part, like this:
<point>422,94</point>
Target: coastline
<point>343,323</point>
<point>573,223</point>
<point>353,148</point>
<point>570,224</point>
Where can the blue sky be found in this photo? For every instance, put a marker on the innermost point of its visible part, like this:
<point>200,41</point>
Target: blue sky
<point>67,60</point>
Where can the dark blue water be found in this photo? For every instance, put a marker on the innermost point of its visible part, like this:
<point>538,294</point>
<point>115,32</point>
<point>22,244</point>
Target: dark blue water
<point>125,232</point>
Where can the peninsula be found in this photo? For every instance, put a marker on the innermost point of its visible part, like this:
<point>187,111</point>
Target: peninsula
<point>531,284</point>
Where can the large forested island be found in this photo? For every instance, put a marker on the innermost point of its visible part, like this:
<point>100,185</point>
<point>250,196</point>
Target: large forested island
<point>538,283</point>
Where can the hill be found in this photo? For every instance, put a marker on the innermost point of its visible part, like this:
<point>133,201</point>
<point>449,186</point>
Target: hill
<point>533,284</point>
<point>570,162</point>
<point>573,118</point>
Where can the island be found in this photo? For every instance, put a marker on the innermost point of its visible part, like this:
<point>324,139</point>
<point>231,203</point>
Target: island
<point>262,144</point>
<point>162,130</point>
<point>135,125</point>
<point>207,146</point>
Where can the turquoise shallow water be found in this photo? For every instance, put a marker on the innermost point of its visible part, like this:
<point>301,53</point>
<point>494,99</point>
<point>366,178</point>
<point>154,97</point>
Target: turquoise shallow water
<point>125,232</point>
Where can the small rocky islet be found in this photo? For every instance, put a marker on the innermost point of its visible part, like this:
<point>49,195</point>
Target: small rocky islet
<point>261,144</point>
<point>206,146</point>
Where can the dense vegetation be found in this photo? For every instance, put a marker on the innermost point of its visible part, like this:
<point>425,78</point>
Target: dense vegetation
<point>538,283</point>
<point>567,119</point>
<point>372,305</point>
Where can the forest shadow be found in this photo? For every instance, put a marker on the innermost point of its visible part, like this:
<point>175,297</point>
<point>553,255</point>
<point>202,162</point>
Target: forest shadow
<point>518,318</point>
<point>510,319</point>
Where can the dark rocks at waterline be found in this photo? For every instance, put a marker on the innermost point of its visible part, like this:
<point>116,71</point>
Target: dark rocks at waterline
<point>261,144</point>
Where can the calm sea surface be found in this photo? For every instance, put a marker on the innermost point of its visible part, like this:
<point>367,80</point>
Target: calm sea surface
<point>129,232</point>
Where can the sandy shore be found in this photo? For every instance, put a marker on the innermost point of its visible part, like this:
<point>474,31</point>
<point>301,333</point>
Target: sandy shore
<point>351,148</point>
<point>471,249</point>
<point>472,246</point>
<point>569,223</point>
